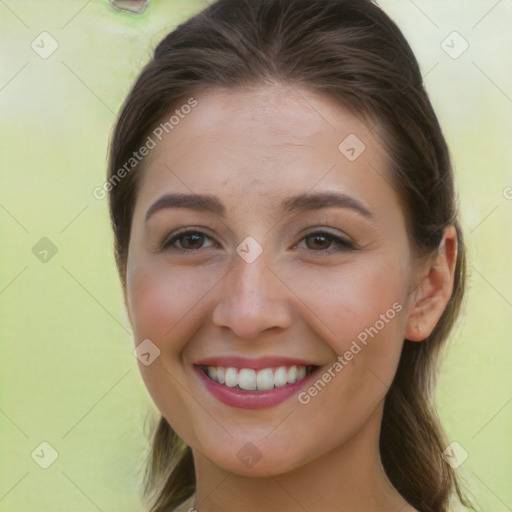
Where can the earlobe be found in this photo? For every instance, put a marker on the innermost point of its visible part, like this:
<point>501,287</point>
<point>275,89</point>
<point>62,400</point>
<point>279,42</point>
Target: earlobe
<point>434,290</point>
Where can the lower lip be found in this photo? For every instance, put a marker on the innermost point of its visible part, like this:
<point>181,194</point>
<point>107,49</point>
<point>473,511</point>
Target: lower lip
<point>252,399</point>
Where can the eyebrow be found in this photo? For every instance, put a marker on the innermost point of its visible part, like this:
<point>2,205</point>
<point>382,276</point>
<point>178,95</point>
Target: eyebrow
<point>294,204</point>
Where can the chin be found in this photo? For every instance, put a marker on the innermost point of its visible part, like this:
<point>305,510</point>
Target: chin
<point>257,458</point>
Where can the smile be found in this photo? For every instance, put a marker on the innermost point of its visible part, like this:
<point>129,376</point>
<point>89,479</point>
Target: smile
<point>254,383</point>
<point>263,379</point>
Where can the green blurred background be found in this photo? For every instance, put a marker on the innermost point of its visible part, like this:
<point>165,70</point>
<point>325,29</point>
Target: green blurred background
<point>68,374</point>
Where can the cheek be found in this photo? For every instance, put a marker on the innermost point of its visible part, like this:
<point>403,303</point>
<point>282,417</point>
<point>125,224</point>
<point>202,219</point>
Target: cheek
<point>361,317</point>
<point>357,297</point>
<point>150,301</point>
<point>159,300</point>
<point>161,303</point>
<point>359,314</point>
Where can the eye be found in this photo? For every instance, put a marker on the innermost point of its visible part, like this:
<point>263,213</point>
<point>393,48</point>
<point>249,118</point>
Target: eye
<point>323,240</point>
<point>193,240</point>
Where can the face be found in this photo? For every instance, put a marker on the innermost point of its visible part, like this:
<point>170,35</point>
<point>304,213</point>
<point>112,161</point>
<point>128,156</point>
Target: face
<point>253,280</point>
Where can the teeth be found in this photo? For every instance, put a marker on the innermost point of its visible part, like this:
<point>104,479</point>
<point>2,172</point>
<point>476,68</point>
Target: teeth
<point>265,379</point>
<point>247,379</point>
<point>280,377</point>
<point>292,374</point>
<point>261,380</point>
<point>231,377</point>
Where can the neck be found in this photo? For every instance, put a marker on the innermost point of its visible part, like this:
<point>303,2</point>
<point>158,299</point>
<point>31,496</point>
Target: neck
<point>347,478</point>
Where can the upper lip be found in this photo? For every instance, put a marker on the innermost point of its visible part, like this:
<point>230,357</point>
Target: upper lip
<point>254,363</point>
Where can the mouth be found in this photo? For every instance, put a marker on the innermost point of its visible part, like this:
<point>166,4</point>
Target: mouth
<point>264,379</point>
<point>254,383</point>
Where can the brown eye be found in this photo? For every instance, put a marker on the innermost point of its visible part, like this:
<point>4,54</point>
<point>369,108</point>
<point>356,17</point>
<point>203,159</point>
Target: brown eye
<point>322,241</point>
<point>319,242</point>
<point>189,241</point>
<point>192,241</point>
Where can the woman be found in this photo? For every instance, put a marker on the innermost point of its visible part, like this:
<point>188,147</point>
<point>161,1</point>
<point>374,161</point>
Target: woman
<point>286,235</point>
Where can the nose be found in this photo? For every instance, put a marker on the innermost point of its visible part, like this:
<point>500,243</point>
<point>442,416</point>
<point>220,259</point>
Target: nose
<point>253,299</point>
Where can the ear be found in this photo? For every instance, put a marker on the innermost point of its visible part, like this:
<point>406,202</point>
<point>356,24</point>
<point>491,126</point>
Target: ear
<point>126,308</point>
<point>435,288</point>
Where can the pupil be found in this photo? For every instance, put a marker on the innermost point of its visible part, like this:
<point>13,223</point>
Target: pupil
<point>196,237</point>
<point>321,237</point>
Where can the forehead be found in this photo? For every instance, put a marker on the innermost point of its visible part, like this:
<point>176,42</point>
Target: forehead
<point>263,141</point>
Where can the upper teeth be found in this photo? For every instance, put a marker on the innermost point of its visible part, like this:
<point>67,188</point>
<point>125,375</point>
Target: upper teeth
<point>261,380</point>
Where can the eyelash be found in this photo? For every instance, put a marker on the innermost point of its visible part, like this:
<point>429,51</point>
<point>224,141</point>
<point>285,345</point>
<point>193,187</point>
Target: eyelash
<point>344,245</point>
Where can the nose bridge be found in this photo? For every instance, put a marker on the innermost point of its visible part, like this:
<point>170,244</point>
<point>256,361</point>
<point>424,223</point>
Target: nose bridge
<point>252,298</point>
<point>249,283</point>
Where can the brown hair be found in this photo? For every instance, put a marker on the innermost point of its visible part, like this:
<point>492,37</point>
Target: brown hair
<point>352,51</point>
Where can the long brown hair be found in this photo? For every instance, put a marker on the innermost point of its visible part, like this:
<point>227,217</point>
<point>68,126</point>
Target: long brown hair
<point>352,51</point>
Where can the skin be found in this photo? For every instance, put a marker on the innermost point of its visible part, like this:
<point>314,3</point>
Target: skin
<point>253,147</point>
